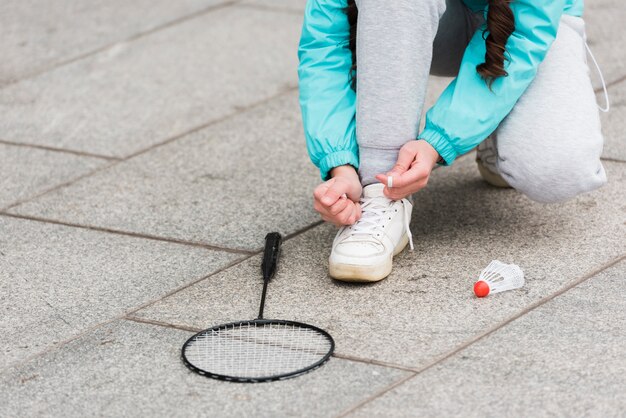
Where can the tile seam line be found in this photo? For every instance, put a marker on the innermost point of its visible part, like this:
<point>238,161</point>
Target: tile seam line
<point>4,212</point>
<point>59,186</point>
<point>129,234</point>
<point>113,158</point>
<point>182,19</point>
<point>131,38</point>
<point>378,394</point>
<point>243,110</point>
<point>59,150</point>
<point>169,140</point>
<point>211,247</point>
<point>598,270</point>
<point>280,93</point>
<point>144,305</point>
<point>613,160</point>
<point>347,357</point>
<point>61,344</point>
<point>612,83</point>
<point>233,264</point>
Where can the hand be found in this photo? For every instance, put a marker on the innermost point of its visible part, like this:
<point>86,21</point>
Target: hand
<point>416,160</point>
<point>337,199</point>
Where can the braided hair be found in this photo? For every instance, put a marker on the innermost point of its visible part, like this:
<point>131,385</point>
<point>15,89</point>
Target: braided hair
<point>500,25</point>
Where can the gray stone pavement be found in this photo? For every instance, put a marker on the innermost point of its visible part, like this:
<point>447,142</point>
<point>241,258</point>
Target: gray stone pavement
<point>145,150</point>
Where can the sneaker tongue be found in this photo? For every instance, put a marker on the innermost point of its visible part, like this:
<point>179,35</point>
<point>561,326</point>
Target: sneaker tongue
<point>374,190</point>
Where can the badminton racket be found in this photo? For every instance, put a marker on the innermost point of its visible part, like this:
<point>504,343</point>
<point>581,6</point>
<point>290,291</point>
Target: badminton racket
<point>259,350</point>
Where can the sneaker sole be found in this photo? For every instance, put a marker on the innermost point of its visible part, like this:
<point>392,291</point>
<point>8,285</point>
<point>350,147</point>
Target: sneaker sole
<point>364,274</point>
<point>491,178</point>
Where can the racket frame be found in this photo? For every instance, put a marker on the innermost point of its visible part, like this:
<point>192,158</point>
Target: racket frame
<point>243,379</point>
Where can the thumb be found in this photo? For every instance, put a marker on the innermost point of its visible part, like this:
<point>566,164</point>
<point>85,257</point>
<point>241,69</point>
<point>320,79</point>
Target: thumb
<point>406,157</point>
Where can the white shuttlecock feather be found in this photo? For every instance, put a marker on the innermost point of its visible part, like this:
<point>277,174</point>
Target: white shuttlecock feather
<point>498,277</point>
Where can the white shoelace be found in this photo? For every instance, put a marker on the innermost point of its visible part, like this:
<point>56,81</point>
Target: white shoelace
<point>606,93</point>
<point>374,209</point>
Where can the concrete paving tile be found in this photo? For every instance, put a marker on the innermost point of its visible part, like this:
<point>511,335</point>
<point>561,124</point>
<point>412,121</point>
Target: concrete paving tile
<point>614,122</point>
<point>27,171</point>
<point>57,281</point>
<point>426,307</point>
<point>565,358</point>
<point>129,369</point>
<point>295,5</point>
<point>36,34</point>
<point>227,185</point>
<point>604,25</point>
<point>137,94</point>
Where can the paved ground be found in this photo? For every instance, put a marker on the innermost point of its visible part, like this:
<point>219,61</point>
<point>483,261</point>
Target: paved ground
<point>146,147</point>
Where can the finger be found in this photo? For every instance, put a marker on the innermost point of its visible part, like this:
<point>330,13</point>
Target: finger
<point>405,159</point>
<point>333,193</point>
<point>332,220</point>
<point>321,209</point>
<point>344,215</point>
<point>339,205</point>
<point>382,178</point>
<point>395,194</point>
<point>417,173</point>
<point>356,215</point>
<point>401,193</point>
<point>320,190</point>
<point>389,181</point>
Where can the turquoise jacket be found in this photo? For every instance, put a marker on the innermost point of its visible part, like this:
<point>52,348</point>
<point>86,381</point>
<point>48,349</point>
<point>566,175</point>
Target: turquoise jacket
<point>465,113</point>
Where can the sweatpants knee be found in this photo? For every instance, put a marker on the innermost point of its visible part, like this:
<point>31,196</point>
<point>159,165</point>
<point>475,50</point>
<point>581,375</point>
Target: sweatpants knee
<point>550,182</point>
<point>549,145</point>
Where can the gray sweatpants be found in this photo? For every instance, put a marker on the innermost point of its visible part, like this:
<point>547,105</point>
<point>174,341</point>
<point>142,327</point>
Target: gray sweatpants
<point>548,147</point>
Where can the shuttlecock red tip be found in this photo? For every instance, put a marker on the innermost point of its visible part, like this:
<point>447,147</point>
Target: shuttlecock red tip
<point>481,288</point>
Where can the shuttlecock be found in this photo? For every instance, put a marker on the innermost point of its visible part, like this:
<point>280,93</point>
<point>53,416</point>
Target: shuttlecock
<point>498,277</point>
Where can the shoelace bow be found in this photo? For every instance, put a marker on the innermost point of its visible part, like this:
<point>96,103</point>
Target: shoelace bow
<point>374,209</point>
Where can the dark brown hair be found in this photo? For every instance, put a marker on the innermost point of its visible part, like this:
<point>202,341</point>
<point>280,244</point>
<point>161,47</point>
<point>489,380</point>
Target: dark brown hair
<point>352,12</point>
<point>500,25</point>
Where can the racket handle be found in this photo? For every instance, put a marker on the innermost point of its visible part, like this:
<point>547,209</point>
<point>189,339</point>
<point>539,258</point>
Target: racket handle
<point>270,255</point>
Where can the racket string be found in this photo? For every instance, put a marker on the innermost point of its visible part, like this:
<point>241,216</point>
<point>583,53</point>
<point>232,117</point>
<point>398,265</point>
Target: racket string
<point>257,350</point>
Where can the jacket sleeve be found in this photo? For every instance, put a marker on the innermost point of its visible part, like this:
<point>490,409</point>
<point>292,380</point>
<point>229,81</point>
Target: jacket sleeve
<point>468,111</point>
<point>327,101</point>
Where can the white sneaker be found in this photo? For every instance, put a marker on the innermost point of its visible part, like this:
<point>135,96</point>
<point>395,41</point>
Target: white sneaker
<point>364,251</point>
<point>487,160</point>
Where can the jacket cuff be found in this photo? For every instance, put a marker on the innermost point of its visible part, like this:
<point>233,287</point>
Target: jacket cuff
<point>336,159</point>
<point>440,142</point>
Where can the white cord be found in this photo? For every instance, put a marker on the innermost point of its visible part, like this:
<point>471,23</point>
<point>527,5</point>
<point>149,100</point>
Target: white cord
<point>407,221</point>
<point>606,93</point>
